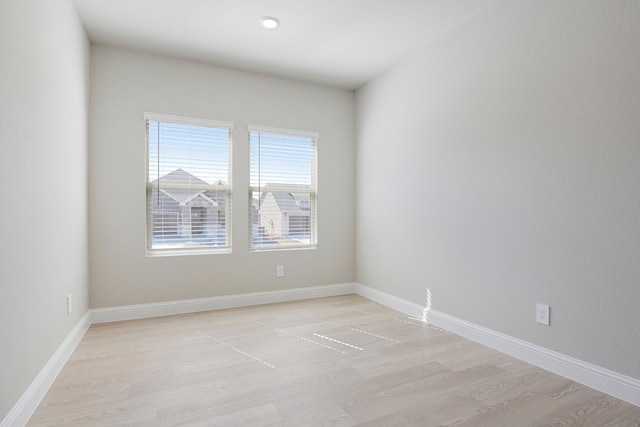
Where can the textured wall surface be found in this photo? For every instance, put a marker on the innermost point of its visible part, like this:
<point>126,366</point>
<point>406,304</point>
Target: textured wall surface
<point>44,81</point>
<point>124,85</point>
<point>507,158</point>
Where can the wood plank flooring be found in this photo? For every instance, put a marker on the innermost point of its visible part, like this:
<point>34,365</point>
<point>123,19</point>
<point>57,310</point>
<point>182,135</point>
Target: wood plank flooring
<point>339,361</point>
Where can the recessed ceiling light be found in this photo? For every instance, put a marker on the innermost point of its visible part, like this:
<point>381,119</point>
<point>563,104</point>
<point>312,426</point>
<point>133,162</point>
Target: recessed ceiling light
<point>270,22</point>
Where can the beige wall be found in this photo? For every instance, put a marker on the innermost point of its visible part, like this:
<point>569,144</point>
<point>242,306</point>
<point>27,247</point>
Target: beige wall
<point>507,159</point>
<point>124,85</point>
<point>497,168</point>
<point>44,65</point>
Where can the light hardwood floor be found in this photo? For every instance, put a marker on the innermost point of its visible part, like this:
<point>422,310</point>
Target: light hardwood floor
<point>339,361</point>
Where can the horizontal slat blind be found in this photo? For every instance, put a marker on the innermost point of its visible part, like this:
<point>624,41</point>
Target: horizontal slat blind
<point>283,189</point>
<point>188,185</point>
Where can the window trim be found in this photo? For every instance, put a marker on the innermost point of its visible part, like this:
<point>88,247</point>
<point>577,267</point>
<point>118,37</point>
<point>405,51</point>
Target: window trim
<point>313,192</point>
<point>183,120</point>
<point>228,188</point>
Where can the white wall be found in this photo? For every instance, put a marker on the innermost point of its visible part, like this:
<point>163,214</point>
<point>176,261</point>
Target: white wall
<point>44,65</point>
<point>500,167</point>
<point>125,84</point>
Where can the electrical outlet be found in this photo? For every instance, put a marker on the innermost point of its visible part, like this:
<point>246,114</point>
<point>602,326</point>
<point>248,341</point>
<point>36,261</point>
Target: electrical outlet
<point>69,306</point>
<point>280,271</point>
<point>542,314</point>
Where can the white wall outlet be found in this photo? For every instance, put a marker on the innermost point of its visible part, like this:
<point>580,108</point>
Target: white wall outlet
<point>542,314</point>
<point>280,271</point>
<point>69,305</point>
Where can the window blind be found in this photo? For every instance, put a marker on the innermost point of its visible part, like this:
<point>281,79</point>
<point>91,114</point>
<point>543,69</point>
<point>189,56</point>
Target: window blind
<point>283,188</point>
<point>188,185</point>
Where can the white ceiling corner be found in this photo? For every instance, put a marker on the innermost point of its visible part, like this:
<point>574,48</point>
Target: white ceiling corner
<point>342,43</point>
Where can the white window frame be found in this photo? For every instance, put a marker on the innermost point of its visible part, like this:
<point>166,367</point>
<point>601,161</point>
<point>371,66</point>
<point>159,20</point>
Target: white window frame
<point>227,188</point>
<point>264,187</point>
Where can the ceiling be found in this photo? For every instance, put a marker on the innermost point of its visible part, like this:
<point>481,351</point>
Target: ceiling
<point>342,43</point>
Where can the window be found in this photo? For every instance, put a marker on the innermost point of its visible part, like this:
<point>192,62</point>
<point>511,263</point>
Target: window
<point>188,185</point>
<point>283,190</point>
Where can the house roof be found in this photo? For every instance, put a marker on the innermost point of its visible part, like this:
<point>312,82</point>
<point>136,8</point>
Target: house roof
<point>182,195</point>
<point>290,202</point>
<point>180,176</point>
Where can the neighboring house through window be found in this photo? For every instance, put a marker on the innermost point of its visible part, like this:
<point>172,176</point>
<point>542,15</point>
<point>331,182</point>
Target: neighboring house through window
<point>283,193</point>
<point>188,185</point>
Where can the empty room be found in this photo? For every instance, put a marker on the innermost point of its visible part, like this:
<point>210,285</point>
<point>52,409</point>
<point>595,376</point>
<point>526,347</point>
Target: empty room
<point>297,213</point>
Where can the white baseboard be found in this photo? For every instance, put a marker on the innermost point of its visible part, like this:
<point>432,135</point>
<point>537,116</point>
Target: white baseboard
<point>26,406</point>
<point>612,383</point>
<point>388,300</point>
<point>29,401</point>
<point>601,379</point>
<point>141,311</point>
